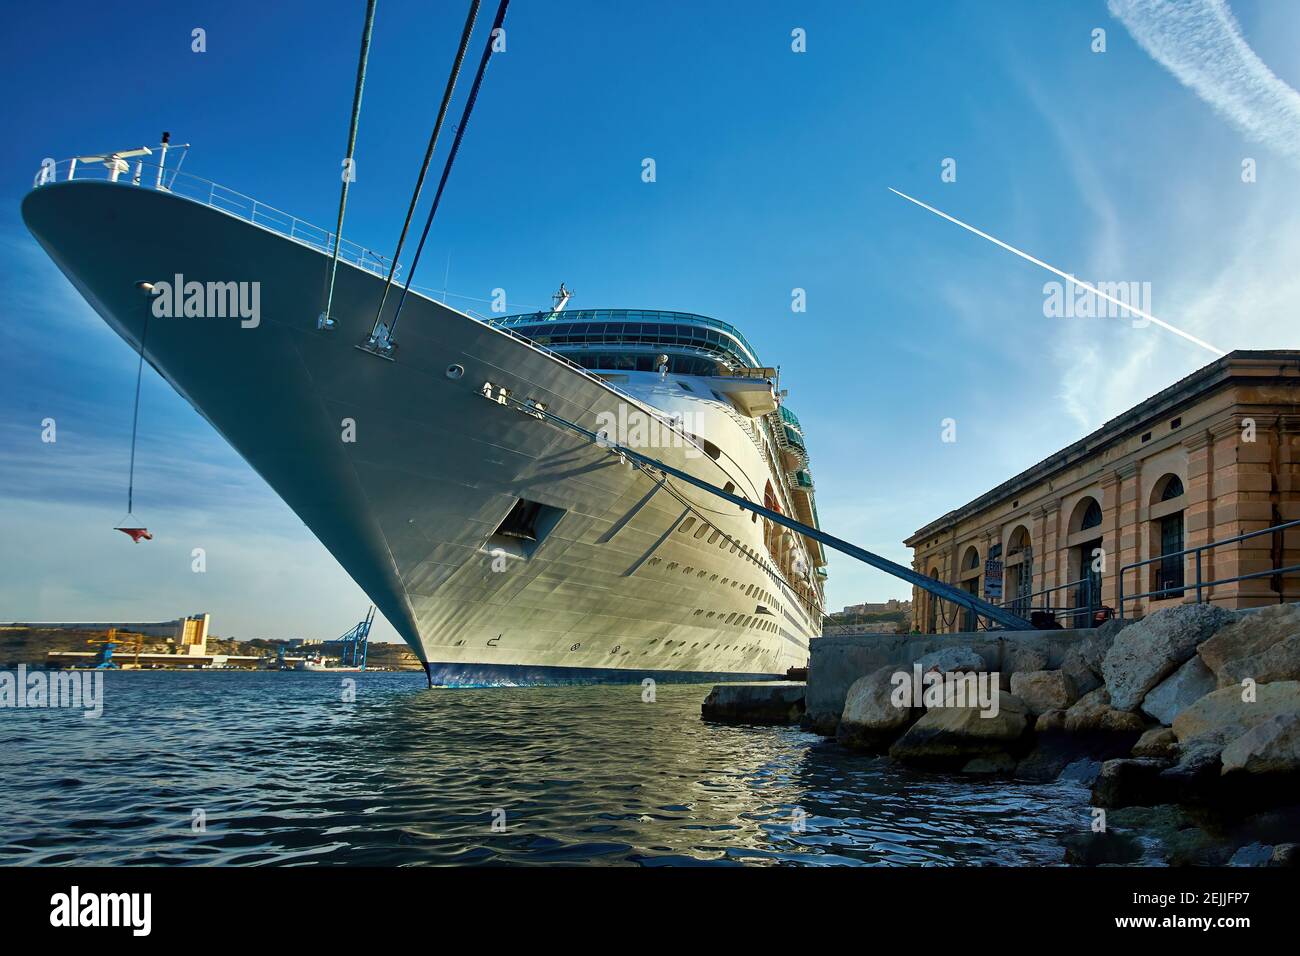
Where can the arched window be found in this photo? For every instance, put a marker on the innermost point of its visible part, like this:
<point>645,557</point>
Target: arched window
<point>1091,516</point>
<point>971,559</point>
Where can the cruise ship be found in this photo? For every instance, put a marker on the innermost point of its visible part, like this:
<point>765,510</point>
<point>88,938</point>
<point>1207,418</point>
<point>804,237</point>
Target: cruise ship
<point>502,546</point>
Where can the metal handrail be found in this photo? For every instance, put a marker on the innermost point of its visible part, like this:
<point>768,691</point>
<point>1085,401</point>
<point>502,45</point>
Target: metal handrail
<point>215,196</point>
<point>1200,585</point>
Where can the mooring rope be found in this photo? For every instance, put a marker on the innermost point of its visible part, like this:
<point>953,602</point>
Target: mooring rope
<point>352,143</point>
<point>428,153</point>
<point>135,417</point>
<point>451,157</point>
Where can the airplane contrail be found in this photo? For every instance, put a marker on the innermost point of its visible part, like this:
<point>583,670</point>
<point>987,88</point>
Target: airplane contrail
<point>1066,276</point>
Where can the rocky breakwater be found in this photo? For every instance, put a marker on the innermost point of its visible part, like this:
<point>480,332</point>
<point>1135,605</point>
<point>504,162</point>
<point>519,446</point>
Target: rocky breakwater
<point>1194,710</point>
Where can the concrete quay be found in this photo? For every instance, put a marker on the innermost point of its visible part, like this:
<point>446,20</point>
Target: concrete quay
<point>837,662</point>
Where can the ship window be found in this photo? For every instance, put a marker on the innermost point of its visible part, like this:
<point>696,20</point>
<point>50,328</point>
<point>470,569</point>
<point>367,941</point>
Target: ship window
<point>684,386</point>
<point>687,523</point>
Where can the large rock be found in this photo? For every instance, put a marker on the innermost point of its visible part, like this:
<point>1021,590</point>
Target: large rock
<point>1101,849</point>
<point>952,736</point>
<point>1157,742</point>
<point>1018,656</point>
<point>1148,651</point>
<point>1093,713</point>
<point>1253,638</point>
<point>1223,716</point>
<point>1270,747</point>
<point>1184,687</point>
<point>1131,782</point>
<point>870,720</point>
<point>1279,662</point>
<point>1083,661</point>
<point>762,702</point>
<point>1044,690</point>
<point>952,660</point>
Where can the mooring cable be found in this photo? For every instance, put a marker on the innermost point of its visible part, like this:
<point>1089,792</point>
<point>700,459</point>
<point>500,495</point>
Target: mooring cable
<point>428,153</point>
<point>135,418</point>
<point>348,174</point>
<point>451,157</point>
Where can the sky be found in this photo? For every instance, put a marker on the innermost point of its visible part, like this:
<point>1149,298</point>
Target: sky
<point>773,171</point>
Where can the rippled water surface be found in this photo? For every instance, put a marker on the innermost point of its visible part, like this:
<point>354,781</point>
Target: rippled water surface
<point>286,772</point>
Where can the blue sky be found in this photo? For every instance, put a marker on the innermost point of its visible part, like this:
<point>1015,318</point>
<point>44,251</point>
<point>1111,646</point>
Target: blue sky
<point>773,170</point>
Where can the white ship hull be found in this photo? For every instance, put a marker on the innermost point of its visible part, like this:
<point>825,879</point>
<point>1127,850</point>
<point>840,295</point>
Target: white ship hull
<point>617,588</point>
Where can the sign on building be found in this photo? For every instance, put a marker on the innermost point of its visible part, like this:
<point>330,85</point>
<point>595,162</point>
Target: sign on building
<point>993,580</point>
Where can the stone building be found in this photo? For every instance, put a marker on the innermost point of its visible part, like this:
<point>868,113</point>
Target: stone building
<point>1213,456</point>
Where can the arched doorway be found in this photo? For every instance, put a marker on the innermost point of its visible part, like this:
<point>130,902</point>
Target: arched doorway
<point>1086,555</point>
<point>932,607</point>
<point>968,579</point>
<point>1019,572</point>
<point>1167,538</point>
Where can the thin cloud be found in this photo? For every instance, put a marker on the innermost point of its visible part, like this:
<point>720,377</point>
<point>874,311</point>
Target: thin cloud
<point>1200,43</point>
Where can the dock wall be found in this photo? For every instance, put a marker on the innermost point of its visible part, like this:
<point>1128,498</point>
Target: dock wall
<point>836,662</point>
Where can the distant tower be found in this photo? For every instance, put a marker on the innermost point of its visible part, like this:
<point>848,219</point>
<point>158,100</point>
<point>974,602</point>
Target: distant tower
<point>192,635</point>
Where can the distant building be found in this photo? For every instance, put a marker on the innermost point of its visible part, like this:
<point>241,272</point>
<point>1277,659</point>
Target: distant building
<point>192,635</point>
<point>892,605</point>
<point>1209,458</point>
<point>188,633</point>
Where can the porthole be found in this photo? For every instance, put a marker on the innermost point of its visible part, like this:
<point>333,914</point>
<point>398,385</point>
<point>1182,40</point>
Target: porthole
<point>455,371</point>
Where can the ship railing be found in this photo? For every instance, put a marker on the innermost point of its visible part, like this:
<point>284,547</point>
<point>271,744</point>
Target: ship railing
<point>664,419</point>
<point>140,174</point>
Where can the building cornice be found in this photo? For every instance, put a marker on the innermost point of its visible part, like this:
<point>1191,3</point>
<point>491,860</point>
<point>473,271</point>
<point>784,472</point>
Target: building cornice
<point>1280,366</point>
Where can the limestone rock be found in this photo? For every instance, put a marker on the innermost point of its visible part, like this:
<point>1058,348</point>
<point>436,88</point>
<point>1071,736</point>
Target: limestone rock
<point>1083,771</point>
<point>1286,854</point>
<point>953,736</point>
<point>1093,713</point>
<point>1157,742</point>
<point>951,660</point>
<point>1270,747</point>
<point>1018,656</point>
<point>1146,652</point>
<point>1049,721</point>
<point>1251,636</point>
<point>1043,690</point>
<point>992,764</point>
<point>1252,854</point>
<point>1083,661</point>
<point>1130,782</point>
<point>1096,849</point>
<point>870,720</point>
<point>763,702</point>
<point>1277,663</point>
<point>1223,716</point>
<point>1192,681</point>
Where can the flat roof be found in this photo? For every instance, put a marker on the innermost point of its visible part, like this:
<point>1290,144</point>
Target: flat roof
<point>1218,374</point>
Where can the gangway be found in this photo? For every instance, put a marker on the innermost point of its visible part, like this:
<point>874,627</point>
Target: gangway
<point>958,596</point>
